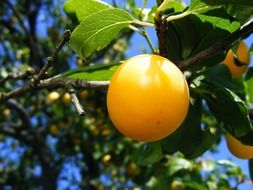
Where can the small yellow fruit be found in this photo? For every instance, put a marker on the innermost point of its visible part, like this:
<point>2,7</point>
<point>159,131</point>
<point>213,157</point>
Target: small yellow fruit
<point>242,55</point>
<point>136,188</point>
<point>106,132</point>
<point>132,169</point>
<point>106,158</point>
<point>53,96</point>
<point>84,94</point>
<point>100,187</point>
<point>238,149</point>
<point>66,98</point>
<point>6,112</point>
<point>177,185</point>
<point>148,98</point>
<point>80,62</point>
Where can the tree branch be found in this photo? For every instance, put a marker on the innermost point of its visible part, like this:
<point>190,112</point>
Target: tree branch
<point>162,36</point>
<point>54,83</point>
<point>6,130</point>
<point>30,39</point>
<point>217,47</point>
<point>13,132</point>
<point>21,132</point>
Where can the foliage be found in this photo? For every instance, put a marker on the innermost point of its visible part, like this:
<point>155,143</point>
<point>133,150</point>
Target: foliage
<point>44,142</point>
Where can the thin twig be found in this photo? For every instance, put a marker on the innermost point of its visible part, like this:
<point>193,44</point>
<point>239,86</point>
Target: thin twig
<point>17,76</point>
<point>76,102</point>
<point>144,4</point>
<point>146,36</point>
<point>20,20</point>
<point>217,47</point>
<point>21,23</point>
<point>11,103</point>
<point>9,25</point>
<point>50,60</point>
<point>144,33</point>
<point>7,130</point>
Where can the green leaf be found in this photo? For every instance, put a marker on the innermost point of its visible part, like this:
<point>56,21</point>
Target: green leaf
<point>177,164</point>
<point>150,153</point>
<point>248,82</point>
<point>209,165</point>
<point>97,30</point>
<point>229,109</point>
<point>174,46</point>
<point>240,12</point>
<point>211,4</point>
<point>218,72</point>
<point>205,29</point>
<point>96,72</point>
<point>251,168</point>
<point>219,75</point>
<point>189,184</point>
<point>187,41</point>
<point>227,164</point>
<point>99,75</point>
<point>213,26</point>
<point>230,2</point>
<point>77,10</point>
<point>190,139</point>
<point>200,6</point>
<point>175,5</point>
<point>251,49</point>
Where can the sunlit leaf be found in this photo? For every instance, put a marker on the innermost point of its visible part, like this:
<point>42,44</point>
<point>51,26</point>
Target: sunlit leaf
<point>96,72</point>
<point>205,29</point>
<point>97,30</point>
<point>200,6</point>
<point>77,10</point>
<point>214,25</point>
<point>177,164</point>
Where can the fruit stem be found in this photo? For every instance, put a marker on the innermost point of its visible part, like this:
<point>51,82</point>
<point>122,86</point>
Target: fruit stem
<point>146,36</point>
